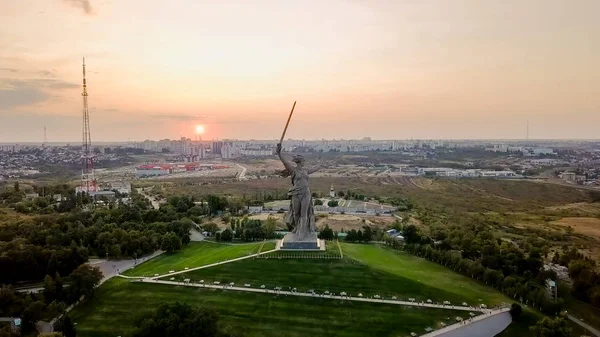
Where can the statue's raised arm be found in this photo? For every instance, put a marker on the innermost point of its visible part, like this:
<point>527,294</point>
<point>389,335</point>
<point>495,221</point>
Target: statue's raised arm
<point>288,165</point>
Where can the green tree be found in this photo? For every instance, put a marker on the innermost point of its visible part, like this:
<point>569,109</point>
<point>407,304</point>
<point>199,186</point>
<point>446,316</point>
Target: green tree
<point>269,226</point>
<point>34,311</point>
<point>367,234</point>
<point>83,281</point>
<point>318,202</point>
<point>210,227</point>
<point>551,327</point>
<point>411,234</point>
<point>178,320</point>
<point>326,233</point>
<point>516,311</point>
<point>332,203</point>
<point>66,326</point>
<point>49,289</point>
<point>171,242</point>
<point>227,235</point>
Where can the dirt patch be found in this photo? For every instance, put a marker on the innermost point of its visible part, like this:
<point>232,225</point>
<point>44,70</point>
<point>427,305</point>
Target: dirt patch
<point>585,226</point>
<point>339,222</point>
<point>265,216</point>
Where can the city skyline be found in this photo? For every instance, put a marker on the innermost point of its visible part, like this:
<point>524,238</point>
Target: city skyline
<point>379,69</point>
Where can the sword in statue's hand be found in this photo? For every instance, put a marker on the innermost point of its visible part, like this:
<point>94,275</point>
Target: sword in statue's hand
<point>285,129</point>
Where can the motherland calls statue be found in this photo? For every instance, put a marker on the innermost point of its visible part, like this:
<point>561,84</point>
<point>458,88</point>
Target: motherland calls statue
<point>301,216</point>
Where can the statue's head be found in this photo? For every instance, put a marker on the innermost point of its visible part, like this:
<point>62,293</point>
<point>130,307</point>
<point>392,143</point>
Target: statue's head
<point>298,159</point>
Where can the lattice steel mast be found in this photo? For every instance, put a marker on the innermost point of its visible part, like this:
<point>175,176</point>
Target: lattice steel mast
<point>88,183</point>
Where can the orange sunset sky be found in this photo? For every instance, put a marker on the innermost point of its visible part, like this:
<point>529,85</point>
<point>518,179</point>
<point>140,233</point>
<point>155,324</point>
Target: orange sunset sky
<point>388,69</point>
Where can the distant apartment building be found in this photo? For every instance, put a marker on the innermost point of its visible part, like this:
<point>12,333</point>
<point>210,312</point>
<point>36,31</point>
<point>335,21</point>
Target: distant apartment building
<point>229,151</point>
<point>216,147</point>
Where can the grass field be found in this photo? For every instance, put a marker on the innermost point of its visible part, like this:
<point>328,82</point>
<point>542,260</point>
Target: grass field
<point>118,301</point>
<point>381,272</point>
<point>197,254</point>
<point>424,272</point>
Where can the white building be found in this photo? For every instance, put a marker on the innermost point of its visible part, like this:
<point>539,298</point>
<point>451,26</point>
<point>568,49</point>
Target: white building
<point>255,209</point>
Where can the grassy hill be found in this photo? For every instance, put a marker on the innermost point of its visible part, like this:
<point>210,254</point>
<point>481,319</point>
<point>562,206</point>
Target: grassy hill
<point>197,254</point>
<point>113,310</point>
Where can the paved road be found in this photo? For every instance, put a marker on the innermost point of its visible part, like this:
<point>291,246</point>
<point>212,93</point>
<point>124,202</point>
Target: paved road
<point>586,326</point>
<point>153,201</point>
<point>111,268</point>
<point>242,175</point>
<point>196,236</point>
<point>212,265</point>
<point>292,293</point>
<point>487,325</point>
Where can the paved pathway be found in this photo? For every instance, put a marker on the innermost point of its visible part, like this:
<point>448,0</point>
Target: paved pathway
<point>586,326</point>
<point>242,175</point>
<point>486,325</point>
<point>293,293</point>
<point>111,268</point>
<point>196,236</point>
<point>212,264</point>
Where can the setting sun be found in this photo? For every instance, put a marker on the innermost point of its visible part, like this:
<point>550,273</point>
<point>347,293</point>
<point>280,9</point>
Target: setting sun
<point>199,129</point>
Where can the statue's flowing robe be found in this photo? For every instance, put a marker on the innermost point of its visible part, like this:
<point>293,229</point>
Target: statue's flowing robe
<point>301,215</point>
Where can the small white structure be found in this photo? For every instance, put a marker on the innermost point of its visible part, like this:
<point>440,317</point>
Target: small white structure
<point>255,209</point>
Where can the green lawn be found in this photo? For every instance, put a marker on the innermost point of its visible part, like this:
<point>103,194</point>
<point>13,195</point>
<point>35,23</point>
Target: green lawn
<point>336,276</point>
<point>424,272</point>
<point>367,269</point>
<point>197,254</point>
<point>118,301</point>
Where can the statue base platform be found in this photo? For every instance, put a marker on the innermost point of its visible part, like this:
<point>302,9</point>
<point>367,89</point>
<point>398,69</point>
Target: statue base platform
<point>310,243</point>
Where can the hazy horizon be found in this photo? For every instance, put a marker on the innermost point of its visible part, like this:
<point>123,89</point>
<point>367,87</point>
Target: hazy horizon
<point>469,69</point>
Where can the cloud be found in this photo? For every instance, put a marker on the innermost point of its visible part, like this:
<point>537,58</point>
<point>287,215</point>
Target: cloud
<point>15,93</point>
<point>46,73</point>
<point>20,94</point>
<point>82,4</point>
<point>184,118</point>
<point>10,70</point>
<point>179,117</point>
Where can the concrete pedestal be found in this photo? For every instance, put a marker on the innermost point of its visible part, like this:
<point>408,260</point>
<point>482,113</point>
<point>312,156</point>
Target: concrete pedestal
<point>290,242</point>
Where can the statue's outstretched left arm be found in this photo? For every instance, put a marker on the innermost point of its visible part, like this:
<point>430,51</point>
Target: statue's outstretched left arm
<point>313,169</point>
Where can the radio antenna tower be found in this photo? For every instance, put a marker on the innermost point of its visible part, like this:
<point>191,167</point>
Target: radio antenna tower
<point>527,131</point>
<point>45,137</point>
<point>88,184</point>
